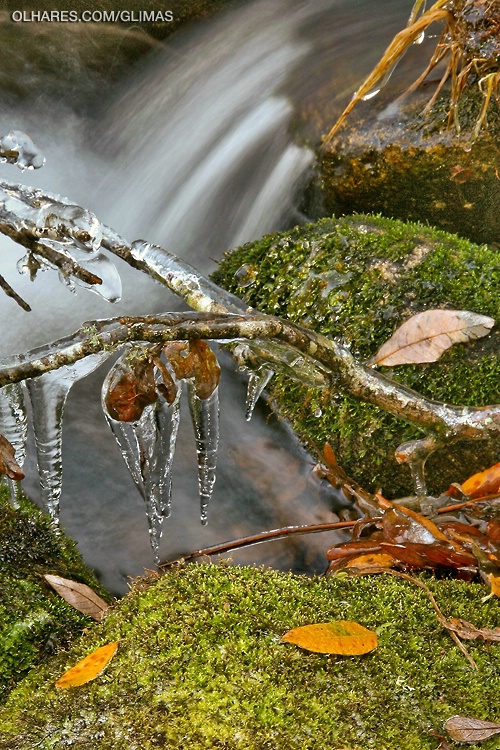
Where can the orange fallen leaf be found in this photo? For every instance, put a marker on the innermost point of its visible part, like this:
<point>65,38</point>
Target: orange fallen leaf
<point>426,335</point>
<point>89,668</point>
<point>494,582</point>
<point>79,595</point>
<point>483,483</point>
<point>377,560</point>
<point>340,637</point>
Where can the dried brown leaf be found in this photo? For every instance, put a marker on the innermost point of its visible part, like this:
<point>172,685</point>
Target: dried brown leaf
<point>426,335</point>
<point>79,595</point>
<point>468,631</point>
<point>8,463</point>
<point>468,729</point>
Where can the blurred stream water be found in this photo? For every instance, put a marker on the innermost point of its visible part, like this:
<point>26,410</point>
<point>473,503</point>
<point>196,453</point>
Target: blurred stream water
<point>194,152</point>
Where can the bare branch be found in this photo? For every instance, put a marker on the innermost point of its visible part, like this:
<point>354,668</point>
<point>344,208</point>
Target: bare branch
<point>300,353</point>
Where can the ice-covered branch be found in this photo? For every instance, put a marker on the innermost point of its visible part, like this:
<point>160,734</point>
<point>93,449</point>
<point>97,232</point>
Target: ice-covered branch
<point>57,234</point>
<point>343,370</point>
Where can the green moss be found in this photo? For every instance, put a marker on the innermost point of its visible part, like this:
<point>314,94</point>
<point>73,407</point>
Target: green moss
<point>357,279</point>
<point>201,665</point>
<point>34,620</point>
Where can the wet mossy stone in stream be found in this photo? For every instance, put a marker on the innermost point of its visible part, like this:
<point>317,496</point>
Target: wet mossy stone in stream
<point>201,665</point>
<point>356,279</point>
<point>34,620</point>
<point>391,159</point>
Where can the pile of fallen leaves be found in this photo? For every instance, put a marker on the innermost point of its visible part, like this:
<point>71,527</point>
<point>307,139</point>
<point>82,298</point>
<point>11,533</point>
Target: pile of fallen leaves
<point>458,531</point>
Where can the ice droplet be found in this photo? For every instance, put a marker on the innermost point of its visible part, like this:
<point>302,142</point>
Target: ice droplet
<point>111,287</point>
<point>14,427</point>
<point>205,418</point>
<point>17,148</point>
<point>147,446</point>
<point>48,394</point>
<point>256,383</point>
<point>246,275</point>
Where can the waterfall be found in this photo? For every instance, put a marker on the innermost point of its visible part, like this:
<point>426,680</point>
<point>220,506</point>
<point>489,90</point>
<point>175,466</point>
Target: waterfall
<point>203,159</point>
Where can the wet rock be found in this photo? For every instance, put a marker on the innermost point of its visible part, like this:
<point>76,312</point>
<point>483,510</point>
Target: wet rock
<point>390,161</point>
<point>427,152</point>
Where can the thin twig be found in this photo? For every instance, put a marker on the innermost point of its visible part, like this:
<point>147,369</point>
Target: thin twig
<point>67,266</point>
<point>10,292</point>
<point>467,503</point>
<point>264,536</point>
<point>442,619</point>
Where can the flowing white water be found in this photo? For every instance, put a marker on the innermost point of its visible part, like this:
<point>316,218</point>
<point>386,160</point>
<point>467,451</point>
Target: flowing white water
<point>202,137</point>
<point>194,154</point>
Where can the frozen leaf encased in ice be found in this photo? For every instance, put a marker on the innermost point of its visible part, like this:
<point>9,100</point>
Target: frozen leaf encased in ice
<point>145,426</point>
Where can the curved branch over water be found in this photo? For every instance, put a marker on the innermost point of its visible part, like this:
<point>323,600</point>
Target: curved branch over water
<point>344,371</point>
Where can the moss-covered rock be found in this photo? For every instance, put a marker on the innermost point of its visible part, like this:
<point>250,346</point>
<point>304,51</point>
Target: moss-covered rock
<point>34,620</point>
<point>357,279</point>
<point>201,665</point>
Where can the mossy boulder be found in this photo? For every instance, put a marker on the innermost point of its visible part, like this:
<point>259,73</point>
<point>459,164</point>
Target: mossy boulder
<point>34,620</point>
<point>357,279</point>
<point>201,664</point>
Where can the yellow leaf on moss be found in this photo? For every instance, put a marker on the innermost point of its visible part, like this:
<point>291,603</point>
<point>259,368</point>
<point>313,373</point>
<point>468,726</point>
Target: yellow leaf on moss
<point>87,669</point>
<point>495,587</point>
<point>495,584</point>
<point>340,637</point>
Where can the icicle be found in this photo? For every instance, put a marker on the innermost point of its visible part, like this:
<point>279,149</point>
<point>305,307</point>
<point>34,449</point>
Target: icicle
<point>256,384</point>
<point>148,447</point>
<point>415,453</point>
<point>17,148</point>
<point>14,427</point>
<point>205,417</point>
<point>146,435</point>
<point>48,394</point>
<point>156,441</point>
